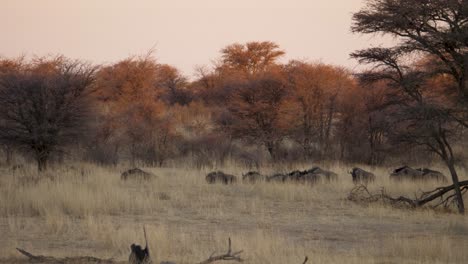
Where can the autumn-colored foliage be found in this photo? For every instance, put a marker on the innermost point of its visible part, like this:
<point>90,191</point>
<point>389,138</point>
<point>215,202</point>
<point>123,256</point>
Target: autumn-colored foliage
<point>247,107</point>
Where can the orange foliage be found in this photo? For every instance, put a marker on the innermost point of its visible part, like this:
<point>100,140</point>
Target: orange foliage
<point>131,102</point>
<point>250,58</point>
<point>312,104</point>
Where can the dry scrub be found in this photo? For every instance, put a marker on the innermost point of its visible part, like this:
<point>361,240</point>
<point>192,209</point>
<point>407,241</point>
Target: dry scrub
<point>90,211</point>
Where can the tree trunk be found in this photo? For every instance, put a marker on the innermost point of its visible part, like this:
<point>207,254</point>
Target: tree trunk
<point>271,150</point>
<point>41,160</point>
<point>456,184</point>
<point>447,155</point>
<point>9,154</point>
<point>132,153</point>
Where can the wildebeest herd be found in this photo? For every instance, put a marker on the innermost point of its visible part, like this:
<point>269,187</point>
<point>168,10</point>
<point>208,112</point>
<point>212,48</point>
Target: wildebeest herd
<point>310,176</point>
<point>317,174</point>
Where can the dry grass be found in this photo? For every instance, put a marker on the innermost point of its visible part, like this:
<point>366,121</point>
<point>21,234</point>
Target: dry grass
<point>89,211</point>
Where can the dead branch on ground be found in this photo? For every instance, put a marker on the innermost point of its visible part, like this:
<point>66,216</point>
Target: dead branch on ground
<point>228,256</point>
<point>361,194</point>
<point>49,259</point>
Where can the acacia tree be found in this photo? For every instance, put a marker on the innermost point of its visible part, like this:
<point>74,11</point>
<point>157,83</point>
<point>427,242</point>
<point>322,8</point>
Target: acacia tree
<point>435,28</point>
<point>438,28</point>
<point>245,91</point>
<point>250,58</point>
<point>44,105</point>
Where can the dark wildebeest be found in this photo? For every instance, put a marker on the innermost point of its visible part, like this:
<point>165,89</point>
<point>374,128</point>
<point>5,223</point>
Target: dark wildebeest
<point>327,175</point>
<point>278,177</point>
<point>311,178</point>
<point>221,177</point>
<point>433,174</point>
<point>408,173</point>
<point>296,176</point>
<point>361,176</point>
<point>136,174</point>
<point>252,177</point>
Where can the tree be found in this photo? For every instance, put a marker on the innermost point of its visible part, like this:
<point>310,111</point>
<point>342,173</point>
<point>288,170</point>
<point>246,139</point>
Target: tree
<point>254,111</point>
<point>438,28</point>
<point>174,85</point>
<point>131,94</point>
<point>10,66</point>
<point>313,93</point>
<point>435,28</point>
<point>44,105</point>
<point>250,58</point>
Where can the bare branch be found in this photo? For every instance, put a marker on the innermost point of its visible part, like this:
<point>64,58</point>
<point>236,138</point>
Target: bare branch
<point>361,194</point>
<point>49,259</point>
<point>228,256</point>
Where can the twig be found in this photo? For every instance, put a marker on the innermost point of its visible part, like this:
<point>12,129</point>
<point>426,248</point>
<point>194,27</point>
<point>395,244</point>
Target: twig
<point>146,240</point>
<point>228,256</point>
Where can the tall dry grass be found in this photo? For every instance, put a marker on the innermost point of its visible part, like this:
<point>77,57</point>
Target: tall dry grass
<point>88,210</point>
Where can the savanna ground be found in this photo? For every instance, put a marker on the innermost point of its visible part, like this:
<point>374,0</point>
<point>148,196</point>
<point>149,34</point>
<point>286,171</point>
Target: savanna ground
<point>88,210</point>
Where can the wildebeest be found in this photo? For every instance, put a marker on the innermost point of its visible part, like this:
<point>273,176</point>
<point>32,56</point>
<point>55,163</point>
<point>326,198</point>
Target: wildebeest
<point>283,177</point>
<point>408,173</point>
<point>136,174</point>
<point>221,177</point>
<point>361,176</point>
<point>433,174</point>
<point>278,177</point>
<point>311,176</point>
<point>328,175</point>
<point>252,177</point>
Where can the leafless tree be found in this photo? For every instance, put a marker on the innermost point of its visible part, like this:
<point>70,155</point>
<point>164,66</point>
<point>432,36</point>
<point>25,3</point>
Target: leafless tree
<point>44,106</point>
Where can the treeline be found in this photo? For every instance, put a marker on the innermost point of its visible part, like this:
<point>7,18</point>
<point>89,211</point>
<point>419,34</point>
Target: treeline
<point>248,108</point>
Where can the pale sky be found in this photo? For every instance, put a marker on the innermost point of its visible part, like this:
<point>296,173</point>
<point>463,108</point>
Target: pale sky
<point>185,33</point>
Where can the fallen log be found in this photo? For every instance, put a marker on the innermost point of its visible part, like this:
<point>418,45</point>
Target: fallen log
<point>48,259</point>
<point>362,194</point>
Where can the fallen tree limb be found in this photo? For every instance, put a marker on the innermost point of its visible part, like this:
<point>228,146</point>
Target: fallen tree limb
<point>228,256</point>
<point>361,194</point>
<point>49,259</point>
<point>439,192</point>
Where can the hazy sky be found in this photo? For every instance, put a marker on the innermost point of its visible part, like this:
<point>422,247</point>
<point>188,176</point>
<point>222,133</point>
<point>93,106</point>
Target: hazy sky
<point>184,33</point>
